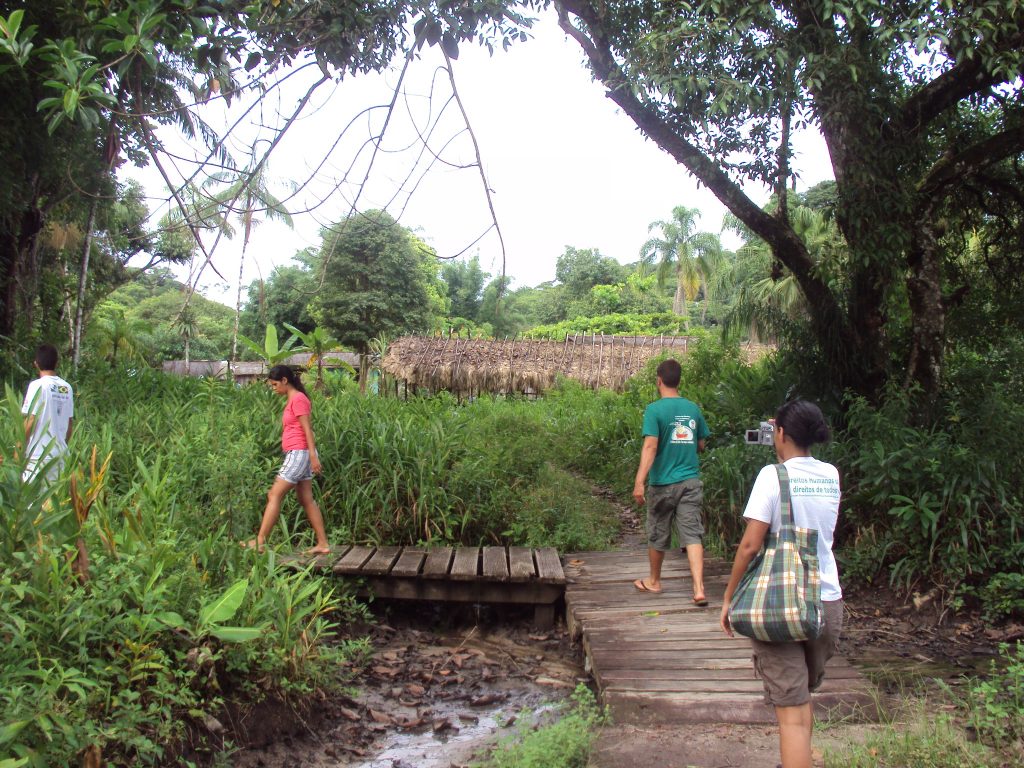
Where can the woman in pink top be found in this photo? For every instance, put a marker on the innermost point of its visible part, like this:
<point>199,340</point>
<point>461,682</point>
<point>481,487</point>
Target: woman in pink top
<point>300,460</point>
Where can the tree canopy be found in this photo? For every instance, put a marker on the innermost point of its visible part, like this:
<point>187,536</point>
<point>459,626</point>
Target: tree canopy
<point>379,279</point>
<point>918,102</point>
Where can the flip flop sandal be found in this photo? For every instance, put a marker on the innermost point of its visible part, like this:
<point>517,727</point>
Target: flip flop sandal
<point>642,587</point>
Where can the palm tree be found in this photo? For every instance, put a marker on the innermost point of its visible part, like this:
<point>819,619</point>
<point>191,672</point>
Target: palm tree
<point>317,342</point>
<point>116,337</point>
<point>694,256</point>
<point>247,197</point>
<point>765,293</point>
<point>188,329</point>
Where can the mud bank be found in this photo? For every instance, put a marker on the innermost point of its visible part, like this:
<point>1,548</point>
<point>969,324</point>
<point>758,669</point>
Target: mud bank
<point>431,696</point>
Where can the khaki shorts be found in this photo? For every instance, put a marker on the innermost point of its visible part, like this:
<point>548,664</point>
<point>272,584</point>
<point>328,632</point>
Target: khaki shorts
<point>679,504</point>
<point>791,671</point>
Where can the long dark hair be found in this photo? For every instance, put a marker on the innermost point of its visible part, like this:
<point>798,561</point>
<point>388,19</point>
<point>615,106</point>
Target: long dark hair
<point>285,373</point>
<point>804,422</point>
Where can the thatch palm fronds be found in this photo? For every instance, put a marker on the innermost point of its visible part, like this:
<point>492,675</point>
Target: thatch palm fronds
<point>523,365</point>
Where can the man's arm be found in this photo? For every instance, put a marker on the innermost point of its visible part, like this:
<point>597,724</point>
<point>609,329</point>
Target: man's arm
<point>647,455</point>
<point>700,446</point>
<point>30,423</point>
<point>71,427</point>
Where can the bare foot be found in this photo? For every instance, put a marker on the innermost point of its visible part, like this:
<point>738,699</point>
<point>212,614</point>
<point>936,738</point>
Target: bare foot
<point>700,600</point>
<point>324,550</point>
<point>251,544</point>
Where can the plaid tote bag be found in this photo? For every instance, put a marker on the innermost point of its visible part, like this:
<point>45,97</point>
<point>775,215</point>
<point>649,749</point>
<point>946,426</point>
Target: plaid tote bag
<point>778,600</point>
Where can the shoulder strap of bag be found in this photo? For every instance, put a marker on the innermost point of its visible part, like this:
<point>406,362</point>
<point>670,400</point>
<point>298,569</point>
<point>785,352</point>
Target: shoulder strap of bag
<point>786,510</point>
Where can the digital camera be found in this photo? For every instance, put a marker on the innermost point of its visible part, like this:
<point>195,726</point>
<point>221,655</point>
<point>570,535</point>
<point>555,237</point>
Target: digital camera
<point>760,436</point>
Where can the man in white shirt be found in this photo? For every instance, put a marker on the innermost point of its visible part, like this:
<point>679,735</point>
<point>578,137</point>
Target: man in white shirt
<point>49,408</point>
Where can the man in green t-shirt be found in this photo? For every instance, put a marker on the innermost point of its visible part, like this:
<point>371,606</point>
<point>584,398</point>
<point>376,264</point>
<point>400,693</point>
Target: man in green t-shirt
<point>674,433</point>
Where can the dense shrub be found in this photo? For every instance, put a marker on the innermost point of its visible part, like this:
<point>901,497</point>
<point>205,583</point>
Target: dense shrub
<point>172,620</point>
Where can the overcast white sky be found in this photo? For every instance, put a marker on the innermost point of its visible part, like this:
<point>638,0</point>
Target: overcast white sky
<point>565,166</point>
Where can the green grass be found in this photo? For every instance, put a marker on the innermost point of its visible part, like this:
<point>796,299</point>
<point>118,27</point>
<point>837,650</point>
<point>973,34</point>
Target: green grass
<point>562,511</point>
<point>564,743</point>
<point>921,739</point>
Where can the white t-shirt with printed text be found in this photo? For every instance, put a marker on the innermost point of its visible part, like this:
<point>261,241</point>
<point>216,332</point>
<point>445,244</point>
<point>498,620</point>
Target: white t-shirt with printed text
<point>52,402</point>
<point>814,498</point>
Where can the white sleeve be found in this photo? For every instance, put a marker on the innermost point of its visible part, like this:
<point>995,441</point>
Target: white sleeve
<point>33,402</point>
<point>764,496</point>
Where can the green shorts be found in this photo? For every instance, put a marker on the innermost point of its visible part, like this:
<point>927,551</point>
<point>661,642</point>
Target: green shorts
<point>678,504</point>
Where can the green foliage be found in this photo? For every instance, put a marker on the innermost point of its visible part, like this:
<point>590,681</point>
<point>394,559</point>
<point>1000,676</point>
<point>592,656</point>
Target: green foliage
<point>562,511</point>
<point>271,352</point>
<point>926,742</point>
<point>615,323</point>
<point>578,270</point>
<point>464,285</point>
<point>995,706</point>
<point>691,258</point>
<point>379,280</point>
<point>946,496</point>
<point>173,616</point>
<point>153,300</point>
<point>565,743</point>
<point>282,298</point>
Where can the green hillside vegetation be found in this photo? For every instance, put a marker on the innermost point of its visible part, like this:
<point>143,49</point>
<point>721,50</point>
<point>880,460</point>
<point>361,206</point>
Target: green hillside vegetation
<point>150,306</point>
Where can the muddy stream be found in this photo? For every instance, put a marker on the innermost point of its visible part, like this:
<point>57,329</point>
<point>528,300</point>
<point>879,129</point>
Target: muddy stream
<point>439,688</point>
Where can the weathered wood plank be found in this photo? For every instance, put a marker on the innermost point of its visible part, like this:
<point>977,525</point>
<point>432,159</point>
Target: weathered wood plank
<point>658,658</point>
<point>409,562</point>
<point>673,708</point>
<point>626,677</point>
<point>437,563</point>
<point>464,591</point>
<point>520,564</point>
<point>549,566</point>
<point>381,561</point>
<point>495,564</point>
<point>465,564</point>
<point>354,559</point>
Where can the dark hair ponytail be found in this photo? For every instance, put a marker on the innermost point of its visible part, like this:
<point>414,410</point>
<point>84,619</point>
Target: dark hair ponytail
<point>804,422</point>
<point>285,373</point>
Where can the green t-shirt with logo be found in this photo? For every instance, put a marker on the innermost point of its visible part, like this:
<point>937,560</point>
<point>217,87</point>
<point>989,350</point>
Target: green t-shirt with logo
<point>679,426</point>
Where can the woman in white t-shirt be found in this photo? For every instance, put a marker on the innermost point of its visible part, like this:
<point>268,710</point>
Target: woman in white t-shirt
<point>791,671</point>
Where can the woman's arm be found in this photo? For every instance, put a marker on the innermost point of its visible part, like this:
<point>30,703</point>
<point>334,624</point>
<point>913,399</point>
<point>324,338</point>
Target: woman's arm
<point>750,545</point>
<point>307,429</point>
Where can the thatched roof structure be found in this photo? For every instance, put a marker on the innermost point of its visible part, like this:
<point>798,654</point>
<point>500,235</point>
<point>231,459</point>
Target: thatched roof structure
<point>524,365</point>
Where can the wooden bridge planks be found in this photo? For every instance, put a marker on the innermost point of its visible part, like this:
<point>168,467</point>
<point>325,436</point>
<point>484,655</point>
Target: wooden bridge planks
<point>459,574</point>
<point>658,658</point>
<point>437,563</point>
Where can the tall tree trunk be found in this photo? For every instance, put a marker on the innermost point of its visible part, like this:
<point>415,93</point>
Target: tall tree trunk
<point>928,313</point>
<point>15,245</point>
<point>679,299</point>
<point>238,303</point>
<point>76,343</point>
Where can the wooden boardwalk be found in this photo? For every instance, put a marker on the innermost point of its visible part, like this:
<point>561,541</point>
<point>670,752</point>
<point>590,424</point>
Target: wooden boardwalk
<point>658,658</point>
<point>455,574</point>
